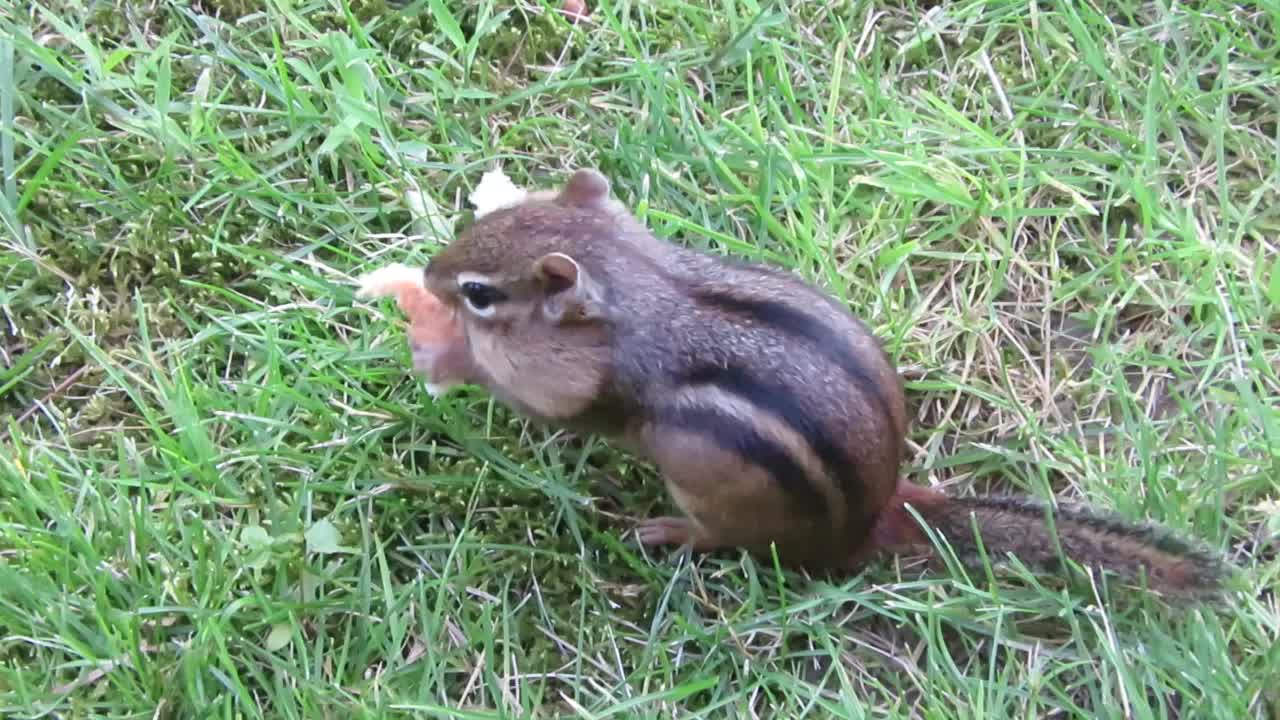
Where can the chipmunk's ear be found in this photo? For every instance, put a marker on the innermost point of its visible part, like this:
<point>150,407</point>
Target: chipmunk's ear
<point>569,293</point>
<point>586,188</point>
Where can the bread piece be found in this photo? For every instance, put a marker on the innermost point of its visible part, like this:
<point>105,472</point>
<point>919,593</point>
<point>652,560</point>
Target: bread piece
<point>435,335</point>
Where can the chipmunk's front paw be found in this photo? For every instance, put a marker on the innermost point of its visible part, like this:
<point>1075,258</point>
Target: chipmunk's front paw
<point>674,531</point>
<point>666,531</point>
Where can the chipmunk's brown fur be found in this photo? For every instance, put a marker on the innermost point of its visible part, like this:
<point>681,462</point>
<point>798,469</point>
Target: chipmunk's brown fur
<point>773,414</point>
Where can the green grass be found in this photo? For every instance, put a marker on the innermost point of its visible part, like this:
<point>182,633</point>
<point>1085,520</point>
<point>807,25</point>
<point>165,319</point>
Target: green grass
<point>222,494</point>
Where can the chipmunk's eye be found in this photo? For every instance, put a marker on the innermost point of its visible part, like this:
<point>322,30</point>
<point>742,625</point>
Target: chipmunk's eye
<point>480,298</point>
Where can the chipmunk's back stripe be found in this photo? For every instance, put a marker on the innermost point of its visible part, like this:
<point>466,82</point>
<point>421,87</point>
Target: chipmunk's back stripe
<point>798,323</point>
<point>782,403</point>
<point>732,435</point>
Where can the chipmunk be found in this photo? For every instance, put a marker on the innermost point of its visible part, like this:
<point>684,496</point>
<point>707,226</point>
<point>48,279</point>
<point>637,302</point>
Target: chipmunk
<point>775,417</point>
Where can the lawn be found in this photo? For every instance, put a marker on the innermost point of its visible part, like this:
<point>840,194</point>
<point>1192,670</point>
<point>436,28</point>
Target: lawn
<point>224,494</point>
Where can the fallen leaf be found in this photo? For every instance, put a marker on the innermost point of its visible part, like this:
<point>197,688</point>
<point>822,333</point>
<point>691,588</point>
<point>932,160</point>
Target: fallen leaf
<point>255,537</point>
<point>279,636</point>
<point>322,537</point>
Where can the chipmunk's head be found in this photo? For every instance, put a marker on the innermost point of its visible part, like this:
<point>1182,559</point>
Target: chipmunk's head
<point>528,284</point>
<point>532,262</point>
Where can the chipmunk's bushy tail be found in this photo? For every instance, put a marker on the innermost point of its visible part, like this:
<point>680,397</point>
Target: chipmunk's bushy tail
<point>1020,526</point>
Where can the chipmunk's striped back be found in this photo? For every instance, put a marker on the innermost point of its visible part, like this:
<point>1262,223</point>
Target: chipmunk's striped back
<point>768,371</point>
